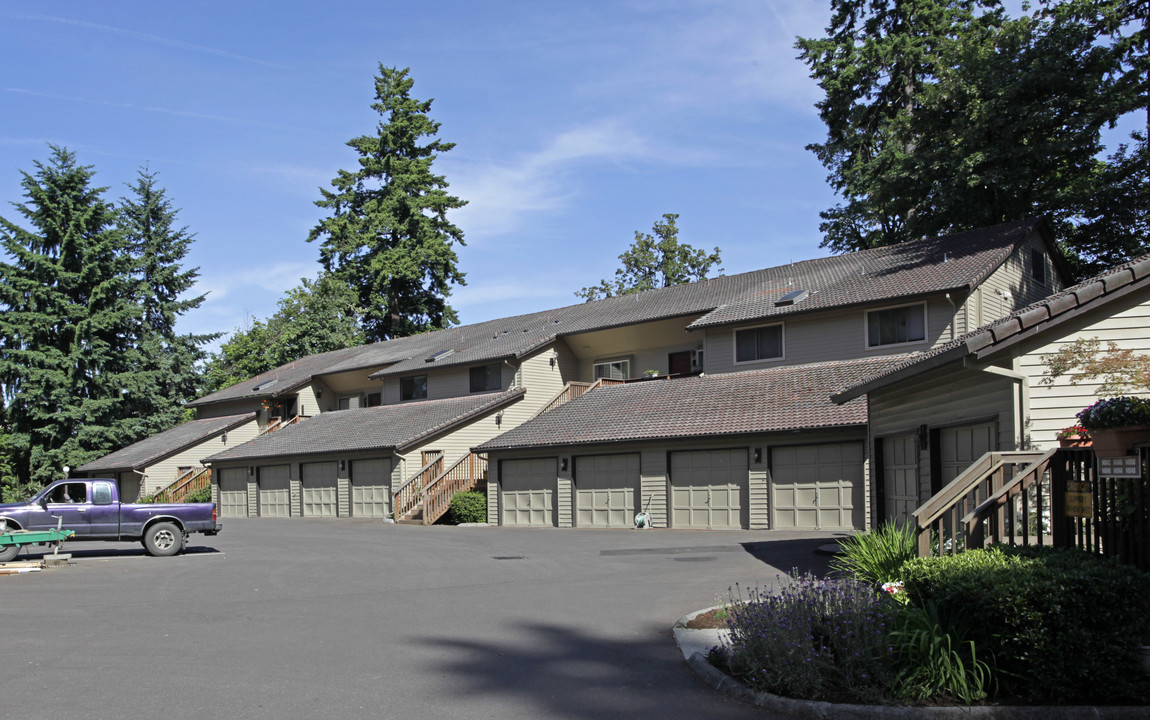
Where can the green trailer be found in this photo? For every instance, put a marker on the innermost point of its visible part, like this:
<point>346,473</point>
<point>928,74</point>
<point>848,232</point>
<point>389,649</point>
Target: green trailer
<point>12,540</point>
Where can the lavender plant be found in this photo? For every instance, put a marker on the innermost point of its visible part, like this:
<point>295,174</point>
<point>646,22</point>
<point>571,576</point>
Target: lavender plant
<point>813,638</point>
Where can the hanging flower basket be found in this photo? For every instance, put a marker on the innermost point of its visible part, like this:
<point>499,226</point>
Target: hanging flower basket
<point>1074,436</point>
<point>1116,442</point>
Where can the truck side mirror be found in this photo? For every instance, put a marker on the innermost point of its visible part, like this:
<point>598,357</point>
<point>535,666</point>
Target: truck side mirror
<point>44,502</point>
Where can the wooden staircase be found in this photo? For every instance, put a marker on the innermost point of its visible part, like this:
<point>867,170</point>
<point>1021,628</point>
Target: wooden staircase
<point>1020,498</point>
<point>281,423</point>
<point>575,389</point>
<point>426,497</point>
<point>184,485</point>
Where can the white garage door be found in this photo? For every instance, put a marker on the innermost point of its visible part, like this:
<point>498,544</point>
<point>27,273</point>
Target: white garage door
<point>605,490</point>
<point>370,488</point>
<point>818,487</point>
<point>528,492</point>
<point>900,477</point>
<point>317,486</point>
<point>233,492</point>
<point>275,491</point>
<point>707,488</point>
<point>960,446</point>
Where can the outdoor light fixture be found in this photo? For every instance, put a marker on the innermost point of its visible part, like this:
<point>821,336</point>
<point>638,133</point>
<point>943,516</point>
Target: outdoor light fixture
<point>251,470</point>
<point>563,464</point>
<point>342,465</point>
<point>758,455</point>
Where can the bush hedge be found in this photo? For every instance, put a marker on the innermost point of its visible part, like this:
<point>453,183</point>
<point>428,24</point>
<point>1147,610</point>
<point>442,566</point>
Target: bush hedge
<point>468,507</point>
<point>1063,626</point>
<point>203,495</point>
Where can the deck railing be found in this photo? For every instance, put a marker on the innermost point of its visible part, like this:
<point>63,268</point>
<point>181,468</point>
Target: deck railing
<point>281,423</point>
<point>463,476</point>
<point>186,484</point>
<point>575,389</point>
<point>408,496</point>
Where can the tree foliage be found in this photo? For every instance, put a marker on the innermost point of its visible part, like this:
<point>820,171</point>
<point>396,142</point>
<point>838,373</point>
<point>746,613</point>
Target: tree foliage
<point>655,261</point>
<point>944,116</point>
<point>89,359</point>
<point>1120,370</point>
<point>388,237</point>
<point>316,316</point>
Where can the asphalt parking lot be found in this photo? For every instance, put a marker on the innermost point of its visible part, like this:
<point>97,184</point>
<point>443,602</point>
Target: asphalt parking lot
<point>357,619</point>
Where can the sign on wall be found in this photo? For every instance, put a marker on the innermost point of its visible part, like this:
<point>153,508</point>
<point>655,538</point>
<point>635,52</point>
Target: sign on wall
<point>1078,500</point>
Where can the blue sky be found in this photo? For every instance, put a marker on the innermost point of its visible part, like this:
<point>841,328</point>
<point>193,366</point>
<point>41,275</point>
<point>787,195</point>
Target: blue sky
<point>576,124</point>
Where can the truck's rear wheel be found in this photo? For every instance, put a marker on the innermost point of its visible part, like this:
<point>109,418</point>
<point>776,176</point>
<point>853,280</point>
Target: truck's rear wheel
<point>163,539</point>
<point>8,552</point>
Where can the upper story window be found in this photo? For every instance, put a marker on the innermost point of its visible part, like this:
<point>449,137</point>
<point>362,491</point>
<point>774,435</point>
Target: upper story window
<point>486,377</point>
<point>895,326</point>
<point>761,343</point>
<point>614,370</point>
<point>1038,266</point>
<point>413,388</point>
<point>374,399</point>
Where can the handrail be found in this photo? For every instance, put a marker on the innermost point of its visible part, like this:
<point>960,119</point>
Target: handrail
<point>280,424</point>
<point>1012,488</point>
<point>938,519</point>
<point>192,481</point>
<point>407,497</point>
<point>463,476</point>
<point>575,389</point>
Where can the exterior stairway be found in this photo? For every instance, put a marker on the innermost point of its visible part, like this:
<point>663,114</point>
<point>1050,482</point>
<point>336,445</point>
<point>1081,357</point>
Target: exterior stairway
<point>426,497</point>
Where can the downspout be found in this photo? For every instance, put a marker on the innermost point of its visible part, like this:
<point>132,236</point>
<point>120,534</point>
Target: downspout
<point>953,315</point>
<point>143,482</point>
<point>1021,400</point>
<point>516,381</point>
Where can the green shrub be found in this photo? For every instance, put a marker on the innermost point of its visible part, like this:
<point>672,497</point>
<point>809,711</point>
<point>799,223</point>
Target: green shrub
<point>876,556</point>
<point>203,495</point>
<point>1062,626</point>
<point>146,500</point>
<point>468,507</point>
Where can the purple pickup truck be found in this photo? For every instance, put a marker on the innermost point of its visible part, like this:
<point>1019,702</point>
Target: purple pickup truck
<point>93,509</point>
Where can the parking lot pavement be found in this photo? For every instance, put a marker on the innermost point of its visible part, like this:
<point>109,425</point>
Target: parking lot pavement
<point>305,618</point>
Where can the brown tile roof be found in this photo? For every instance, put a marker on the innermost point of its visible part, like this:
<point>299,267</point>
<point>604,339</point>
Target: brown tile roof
<point>756,401</point>
<point>157,447</point>
<point>386,427</point>
<point>912,269</point>
<point>1007,331</point>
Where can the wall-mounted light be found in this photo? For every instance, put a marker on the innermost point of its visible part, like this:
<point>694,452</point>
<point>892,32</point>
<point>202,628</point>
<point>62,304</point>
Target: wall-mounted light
<point>563,464</point>
<point>342,465</point>
<point>554,357</point>
<point>923,437</point>
<point>499,418</point>
<point>758,455</point>
<point>224,437</point>
<point>318,393</point>
<point>251,470</point>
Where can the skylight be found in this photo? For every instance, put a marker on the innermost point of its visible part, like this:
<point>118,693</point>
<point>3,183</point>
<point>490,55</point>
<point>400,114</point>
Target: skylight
<point>792,297</point>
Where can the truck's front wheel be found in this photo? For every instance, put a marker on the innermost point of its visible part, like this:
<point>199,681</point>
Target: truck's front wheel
<point>163,539</point>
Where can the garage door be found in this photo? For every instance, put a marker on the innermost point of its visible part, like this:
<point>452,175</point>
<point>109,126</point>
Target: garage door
<point>961,445</point>
<point>900,477</point>
<point>317,487</point>
<point>605,490</point>
<point>275,491</point>
<point>528,492</point>
<point>233,492</point>
<point>370,488</point>
<point>818,487</point>
<point>707,488</point>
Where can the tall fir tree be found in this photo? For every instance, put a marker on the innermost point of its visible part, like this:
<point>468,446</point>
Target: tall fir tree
<point>655,261</point>
<point>67,322</point>
<point>388,237</point>
<point>945,116</point>
<point>166,374</point>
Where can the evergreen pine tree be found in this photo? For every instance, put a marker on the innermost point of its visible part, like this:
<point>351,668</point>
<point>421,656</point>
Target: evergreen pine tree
<point>166,374</point>
<point>67,322</point>
<point>388,237</point>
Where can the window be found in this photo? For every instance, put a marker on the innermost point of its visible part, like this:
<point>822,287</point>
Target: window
<point>761,343</point>
<point>374,399</point>
<point>102,493</point>
<point>413,388</point>
<point>486,377</point>
<point>1038,266</point>
<point>615,370</point>
<point>895,326</point>
<point>344,403</point>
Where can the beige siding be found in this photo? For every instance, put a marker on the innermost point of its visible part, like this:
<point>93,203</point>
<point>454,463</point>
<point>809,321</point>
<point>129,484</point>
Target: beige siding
<point>307,403</point>
<point>758,495</point>
<point>564,493</point>
<point>831,335</point>
<point>448,382</point>
<point>1053,407</point>
<point>653,483</point>
<point>234,407</point>
<point>164,472</point>
<point>641,360</point>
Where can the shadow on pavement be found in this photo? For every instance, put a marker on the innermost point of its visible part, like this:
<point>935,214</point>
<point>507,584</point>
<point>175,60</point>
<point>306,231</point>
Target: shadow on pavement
<point>574,673</point>
<point>787,555</point>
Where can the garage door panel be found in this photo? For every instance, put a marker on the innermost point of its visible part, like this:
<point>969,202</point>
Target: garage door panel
<point>605,490</point>
<point>233,492</point>
<point>528,492</point>
<point>708,487</point>
<point>318,489</point>
<point>370,487</point>
<point>817,487</point>
<point>275,491</point>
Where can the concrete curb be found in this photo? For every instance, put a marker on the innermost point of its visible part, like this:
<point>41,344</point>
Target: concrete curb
<point>818,710</point>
